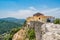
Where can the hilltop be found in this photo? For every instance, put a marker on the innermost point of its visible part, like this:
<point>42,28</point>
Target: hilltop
<point>15,20</point>
<point>38,30</point>
<point>9,23</point>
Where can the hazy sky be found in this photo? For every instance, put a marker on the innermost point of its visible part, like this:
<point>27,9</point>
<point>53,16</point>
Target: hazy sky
<point>25,8</point>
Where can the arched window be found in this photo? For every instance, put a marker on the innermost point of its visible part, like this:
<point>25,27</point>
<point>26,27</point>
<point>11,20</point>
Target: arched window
<point>48,20</point>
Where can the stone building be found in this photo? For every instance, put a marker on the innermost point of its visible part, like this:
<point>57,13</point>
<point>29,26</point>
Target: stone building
<point>40,17</point>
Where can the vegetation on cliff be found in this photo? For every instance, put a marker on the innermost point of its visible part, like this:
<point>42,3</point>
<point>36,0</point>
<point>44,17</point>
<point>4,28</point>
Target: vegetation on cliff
<point>31,34</point>
<point>57,21</point>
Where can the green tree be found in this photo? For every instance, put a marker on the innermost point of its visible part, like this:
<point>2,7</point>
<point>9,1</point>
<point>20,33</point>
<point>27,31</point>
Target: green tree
<point>57,21</point>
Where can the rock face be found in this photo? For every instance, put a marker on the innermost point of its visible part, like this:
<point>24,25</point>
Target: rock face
<point>50,31</point>
<point>37,26</point>
<point>46,31</point>
<point>20,35</point>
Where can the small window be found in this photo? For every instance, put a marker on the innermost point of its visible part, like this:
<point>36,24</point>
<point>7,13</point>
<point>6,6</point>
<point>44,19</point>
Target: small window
<point>39,18</point>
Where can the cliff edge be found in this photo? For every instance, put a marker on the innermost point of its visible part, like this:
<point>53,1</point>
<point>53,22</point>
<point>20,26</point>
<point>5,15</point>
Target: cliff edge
<point>46,31</point>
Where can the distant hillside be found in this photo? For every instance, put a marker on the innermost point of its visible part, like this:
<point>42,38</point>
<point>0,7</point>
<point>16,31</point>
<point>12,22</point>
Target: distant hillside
<point>15,20</point>
<point>6,26</point>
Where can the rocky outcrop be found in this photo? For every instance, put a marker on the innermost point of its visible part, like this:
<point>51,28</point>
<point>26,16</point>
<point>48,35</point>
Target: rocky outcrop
<point>37,27</point>
<point>50,31</point>
<point>46,31</point>
<point>21,34</point>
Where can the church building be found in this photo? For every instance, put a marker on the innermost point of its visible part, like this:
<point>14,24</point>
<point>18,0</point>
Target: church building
<point>41,18</point>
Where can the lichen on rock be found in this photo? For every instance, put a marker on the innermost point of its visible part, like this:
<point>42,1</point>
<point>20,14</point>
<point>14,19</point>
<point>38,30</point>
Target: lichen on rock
<point>51,31</point>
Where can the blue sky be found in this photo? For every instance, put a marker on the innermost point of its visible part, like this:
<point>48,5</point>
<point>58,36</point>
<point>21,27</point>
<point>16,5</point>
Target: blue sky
<point>25,8</point>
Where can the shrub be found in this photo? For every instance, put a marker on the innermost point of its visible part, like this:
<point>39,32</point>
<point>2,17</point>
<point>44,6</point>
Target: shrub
<point>31,34</point>
<point>57,21</point>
